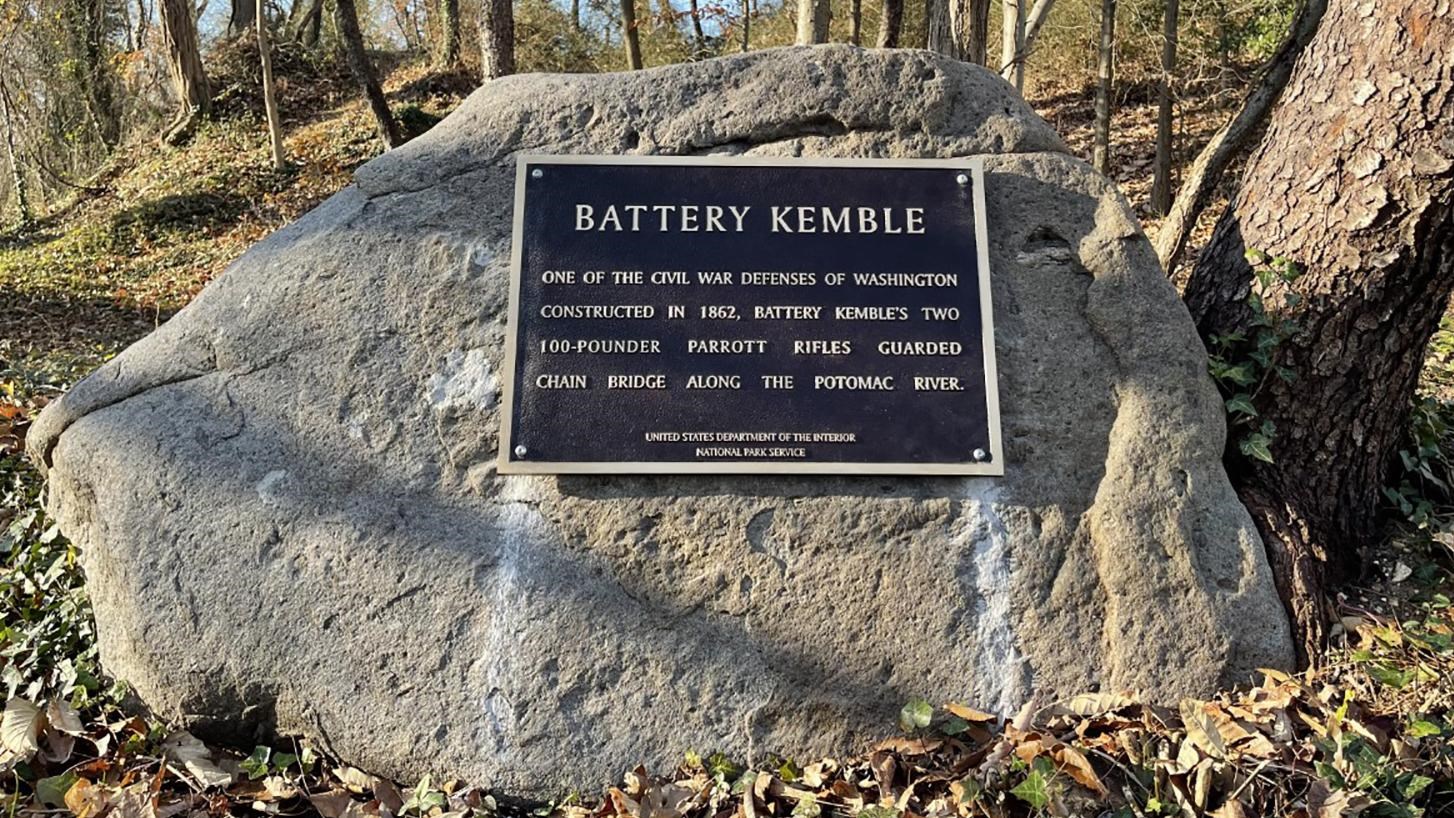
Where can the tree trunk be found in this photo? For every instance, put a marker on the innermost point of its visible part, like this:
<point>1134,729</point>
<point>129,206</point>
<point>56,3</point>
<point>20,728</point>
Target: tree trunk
<point>1161,177</point>
<point>630,35</point>
<point>855,22</point>
<point>975,47</point>
<point>308,29</point>
<point>184,64</point>
<point>1012,43</point>
<point>1352,181</point>
<point>1018,41</point>
<point>448,57</point>
<point>1228,143</point>
<point>746,25</point>
<point>12,158</point>
<point>241,18</point>
<point>575,15</point>
<point>497,38</point>
<point>890,24</point>
<point>699,37</point>
<point>939,30</point>
<point>270,96</point>
<point>813,19</point>
<point>1105,85</point>
<point>346,18</point>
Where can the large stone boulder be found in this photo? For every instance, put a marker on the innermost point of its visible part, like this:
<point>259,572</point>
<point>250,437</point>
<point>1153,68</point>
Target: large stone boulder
<point>290,517</point>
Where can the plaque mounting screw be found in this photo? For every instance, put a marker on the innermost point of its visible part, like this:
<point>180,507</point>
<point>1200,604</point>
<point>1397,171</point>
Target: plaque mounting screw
<point>979,454</point>
<point>962,179</point>
<point>537,173</point>
<point>521,451</point>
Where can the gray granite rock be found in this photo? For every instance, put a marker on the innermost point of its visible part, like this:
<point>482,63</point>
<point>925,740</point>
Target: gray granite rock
<point>291,519</point>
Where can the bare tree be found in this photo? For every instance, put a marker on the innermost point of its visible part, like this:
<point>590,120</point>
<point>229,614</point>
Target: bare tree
<point>1161,177</point>
<point>1105,83</point>
<point>184,64</point>
<point>813,19</point>
<point>305,22</point>
<point>746,25</point>
<point>1230,141</point>
<point>891,24</point>
<point>575,15</point>
<point>12,158</point>
<point>975,31</point>
<point>630,35</point>
<point>939,28</point>
<point>447,57</point>
<point>699,37</point>
<point>497,38</point>
<point>1020,29</point>
<point>855,21</point>
<point>346,18</point>
<point>1012,42</point>
<point>241,17</point>
<point>1354,182</point>
<point>270,96</point>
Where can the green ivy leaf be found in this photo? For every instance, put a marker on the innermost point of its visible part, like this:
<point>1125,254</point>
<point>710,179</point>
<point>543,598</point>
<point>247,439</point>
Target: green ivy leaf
<point>256,765</point>
<point>1034,790</point>
<point>916,715</point>
<point>954,726</point>
<point>1416,784</point>
<point>1257,446</point>
<point>1421,728</point>
<point>1242,374</point>
<point>1241,404</point>
<point>52,791</point>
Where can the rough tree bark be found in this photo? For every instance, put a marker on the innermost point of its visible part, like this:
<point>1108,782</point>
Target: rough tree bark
<point>813,19</point>
<point>630,34</point>
<point>448,54</point>
<point>307,27</point>
<point>939,28</point>
<point>1228,142</point>
<point>1353,181</point>
<point>1105,85</point>
<point>746,25</point>
<point>855,21</point>
<point>890,24</point>
<point>975,31</point>
<point>270,96</point>
<point>346,18</point>
<point>184,64</point>
<point>497,39</point>
<point>241,17</point>
<point>575,15</point>
<point>12,158</point>
<point>1165,109</point>
<point>1012,41</point>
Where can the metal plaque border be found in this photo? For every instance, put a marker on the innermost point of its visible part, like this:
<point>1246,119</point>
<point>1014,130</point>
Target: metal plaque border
<point>994,468</point>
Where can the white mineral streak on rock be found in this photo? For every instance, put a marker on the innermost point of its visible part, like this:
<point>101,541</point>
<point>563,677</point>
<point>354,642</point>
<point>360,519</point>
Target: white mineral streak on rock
<point>1001,681</point>
<point>520,525</point>
<point>270,489</point>
<point>467,383</point>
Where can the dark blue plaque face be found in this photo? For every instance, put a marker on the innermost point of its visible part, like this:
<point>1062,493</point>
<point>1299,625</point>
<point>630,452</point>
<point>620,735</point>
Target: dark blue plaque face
<point>743,315</point>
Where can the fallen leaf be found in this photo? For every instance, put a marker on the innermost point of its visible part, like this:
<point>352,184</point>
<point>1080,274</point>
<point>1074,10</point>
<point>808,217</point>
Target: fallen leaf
<point>1078,767</point>
<point>1202,728</point>
<point>970,714</point>
<point>1096,704</point>
<point>20,727</point>
<point>61,716</point>
<point>187,750</point>
<point>85,799</point>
